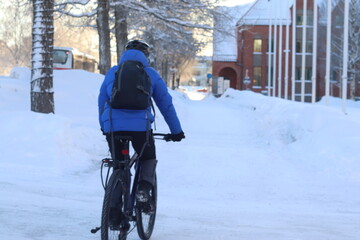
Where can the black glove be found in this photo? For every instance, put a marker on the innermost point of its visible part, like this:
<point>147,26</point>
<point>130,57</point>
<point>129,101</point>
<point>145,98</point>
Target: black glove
<point>175,137</point>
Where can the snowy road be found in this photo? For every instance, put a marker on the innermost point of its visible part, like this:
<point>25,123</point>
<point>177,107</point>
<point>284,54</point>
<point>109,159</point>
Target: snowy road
<point>248,169</point>
<point>237,186</point>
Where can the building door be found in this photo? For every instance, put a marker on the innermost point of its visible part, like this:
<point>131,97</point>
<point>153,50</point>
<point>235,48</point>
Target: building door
<point>229,73</point>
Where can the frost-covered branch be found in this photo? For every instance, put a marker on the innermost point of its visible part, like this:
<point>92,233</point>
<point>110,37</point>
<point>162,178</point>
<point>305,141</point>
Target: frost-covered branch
<point>78,15</point>
<point>172,14</point>
<point>67,8</point>
<point>63,5</point>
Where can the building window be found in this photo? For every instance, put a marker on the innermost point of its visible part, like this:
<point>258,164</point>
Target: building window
<point>335,76</point>
<point>308,46</point>
<point>257,45</point>
<point>272,46</point>
<point>309,19</point>
<point>308,73</point>
<point>339,21</point>
<point>257,58</point>
<point>298,74</point>
<point>298,46</point>
<point>257,77</point>
<point>299,20</point>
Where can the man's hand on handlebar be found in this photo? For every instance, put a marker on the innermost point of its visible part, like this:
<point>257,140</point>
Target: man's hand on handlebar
<point>174,137</point>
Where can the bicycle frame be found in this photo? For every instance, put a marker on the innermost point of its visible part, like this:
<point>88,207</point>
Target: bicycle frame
<point>122,174</point>
<point>125,166</point>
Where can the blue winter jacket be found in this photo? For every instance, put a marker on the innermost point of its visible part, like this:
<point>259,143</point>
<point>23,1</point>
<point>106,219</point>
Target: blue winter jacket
<point>136,120</point>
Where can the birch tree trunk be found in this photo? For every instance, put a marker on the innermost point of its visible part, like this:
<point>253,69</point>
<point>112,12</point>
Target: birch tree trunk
<point>42,93</point>
<point>103,28</point>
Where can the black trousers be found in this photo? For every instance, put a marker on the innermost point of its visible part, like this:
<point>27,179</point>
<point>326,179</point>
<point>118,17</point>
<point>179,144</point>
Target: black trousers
<point>148,163</point>
<point>138,141</point>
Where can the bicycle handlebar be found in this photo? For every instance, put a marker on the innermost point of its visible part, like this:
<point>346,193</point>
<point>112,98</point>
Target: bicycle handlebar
<point>162,136</point>
<point>167,137</point>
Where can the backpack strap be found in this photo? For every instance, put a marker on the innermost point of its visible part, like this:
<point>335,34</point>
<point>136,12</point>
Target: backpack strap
<point>153,108</point>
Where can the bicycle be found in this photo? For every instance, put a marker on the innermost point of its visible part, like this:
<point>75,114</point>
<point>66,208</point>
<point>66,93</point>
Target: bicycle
<point>142,217</point>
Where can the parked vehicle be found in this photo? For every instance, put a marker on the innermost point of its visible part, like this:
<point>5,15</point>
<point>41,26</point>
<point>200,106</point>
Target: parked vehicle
<point>71,58</point>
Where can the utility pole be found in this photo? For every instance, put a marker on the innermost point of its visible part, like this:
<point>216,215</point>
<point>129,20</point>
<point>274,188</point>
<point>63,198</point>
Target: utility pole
<point>328,53</point>
<point>314,58</point>
<point>275,49</point>
<point>269,57</point>
<point>287,53</point>
<point>293,56</point>
<point>303,57</point>
<point>280,51</point>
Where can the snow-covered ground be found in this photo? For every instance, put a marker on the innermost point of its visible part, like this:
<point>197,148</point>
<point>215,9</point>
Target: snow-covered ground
<point>251,167</point>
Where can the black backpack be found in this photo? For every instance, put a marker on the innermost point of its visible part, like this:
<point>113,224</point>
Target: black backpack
<point>132,87</point>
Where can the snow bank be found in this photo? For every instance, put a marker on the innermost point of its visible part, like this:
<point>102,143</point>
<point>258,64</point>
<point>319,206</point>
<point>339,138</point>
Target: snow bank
<point>63,139</point>
<point>21,73</point>
<point>15,92</point>
<point>319,138</point>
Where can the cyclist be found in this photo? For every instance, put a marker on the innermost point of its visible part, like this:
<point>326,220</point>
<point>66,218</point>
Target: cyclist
<point>134,123</point>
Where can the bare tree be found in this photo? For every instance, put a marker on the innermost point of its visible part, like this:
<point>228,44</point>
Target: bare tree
<point>101,12</point>
<point>354,46</point>
<point>121,27</point>
<point>82,38</point>
<point>169,26</point>
<point>160,22</point>
<point>42,94</point>
<point>15,34</point>
<point>337,42</point>
<point>104,35</point>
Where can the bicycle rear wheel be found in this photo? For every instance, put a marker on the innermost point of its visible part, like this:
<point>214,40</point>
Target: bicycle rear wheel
<point>145,218</point>
<point>106,232</point>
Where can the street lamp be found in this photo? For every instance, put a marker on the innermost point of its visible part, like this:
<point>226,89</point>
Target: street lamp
<point>246,80</point>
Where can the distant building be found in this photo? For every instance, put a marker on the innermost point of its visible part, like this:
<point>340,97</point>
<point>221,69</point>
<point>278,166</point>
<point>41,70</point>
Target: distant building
<point>200,70</point>
<point>247,51</point>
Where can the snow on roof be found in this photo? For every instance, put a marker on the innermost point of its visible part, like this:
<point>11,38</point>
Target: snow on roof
<point>262,11</point>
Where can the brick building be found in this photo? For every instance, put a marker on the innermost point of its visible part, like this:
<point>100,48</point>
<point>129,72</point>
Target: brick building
<point>247,54</point>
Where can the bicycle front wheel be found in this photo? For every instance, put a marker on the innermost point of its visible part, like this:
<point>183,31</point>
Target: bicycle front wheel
<point>145,216</point>
<point>106,232</point>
